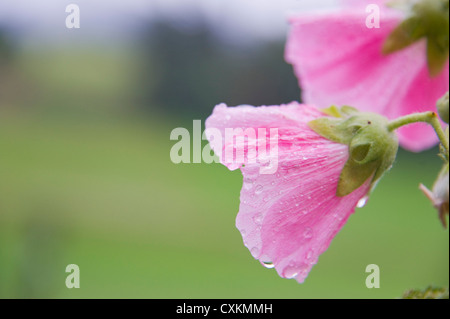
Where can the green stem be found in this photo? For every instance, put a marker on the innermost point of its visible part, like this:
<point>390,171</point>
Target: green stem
<point>426,117</point>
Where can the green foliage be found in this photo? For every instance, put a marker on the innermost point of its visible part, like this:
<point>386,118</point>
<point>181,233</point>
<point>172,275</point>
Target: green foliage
<point>428,293</point>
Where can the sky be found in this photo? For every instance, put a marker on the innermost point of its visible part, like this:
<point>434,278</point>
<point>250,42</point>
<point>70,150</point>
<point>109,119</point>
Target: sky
<point>45,19</point>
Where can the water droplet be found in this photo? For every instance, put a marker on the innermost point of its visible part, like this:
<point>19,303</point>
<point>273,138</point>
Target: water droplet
<point>291,271</point>
<point>255,252</point>
<point>308,233</point>
<point>309,254</point>
<point>259,189</point>
<point>267,264</point>
<point>258,219</point>
<point>248,183</point>
<point>362,202</point>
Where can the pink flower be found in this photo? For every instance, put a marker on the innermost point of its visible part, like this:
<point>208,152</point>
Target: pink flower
<point>339,61</point>
<point>288,218</point>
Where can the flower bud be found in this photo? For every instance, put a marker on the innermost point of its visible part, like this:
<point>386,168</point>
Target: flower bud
<point>439,196</point>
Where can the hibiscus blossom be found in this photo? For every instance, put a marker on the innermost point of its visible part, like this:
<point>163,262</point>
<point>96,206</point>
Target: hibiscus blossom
<point>289,217</point>
<point>339,60</point>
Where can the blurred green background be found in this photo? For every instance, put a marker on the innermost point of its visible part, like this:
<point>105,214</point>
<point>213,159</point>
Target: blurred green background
<point>86,178</point>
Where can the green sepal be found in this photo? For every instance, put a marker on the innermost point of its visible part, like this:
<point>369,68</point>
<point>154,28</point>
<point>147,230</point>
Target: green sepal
<point>427,19</point>
<point>331,129</point>
<point>348,110</point>
<point>353,176</point>
<point>443,154</point>
<point>399,5</point>
<point>437,56</point>
<point>343,111</point>
<point>435,17</point>
<point>332,111</point>
<point>443,108</point>
<point>406,33</point>
<point>372,147</point>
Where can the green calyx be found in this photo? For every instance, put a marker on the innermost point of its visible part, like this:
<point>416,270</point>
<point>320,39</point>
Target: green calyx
<point>372,147</point>
<point>427,19</point>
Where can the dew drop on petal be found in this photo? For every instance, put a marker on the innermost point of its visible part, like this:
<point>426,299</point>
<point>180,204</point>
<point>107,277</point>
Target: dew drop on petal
<point>255,252</point>
<point>362,202</point>
<point>308,233</point>
<point>248,183</point>
<point>258,219</point>
<point>309,254</point>
<point>291,271</point>
<point>267,264</point>
<point>259,189</point>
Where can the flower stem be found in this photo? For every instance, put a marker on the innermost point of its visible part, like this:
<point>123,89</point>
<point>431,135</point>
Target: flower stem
<point>426,117</point>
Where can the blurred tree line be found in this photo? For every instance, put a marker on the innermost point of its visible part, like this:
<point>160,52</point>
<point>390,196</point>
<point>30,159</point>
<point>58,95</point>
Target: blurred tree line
<point>187,72</point>
<point>5,48</point>
<point>8,77</point>
<point>182,72</point>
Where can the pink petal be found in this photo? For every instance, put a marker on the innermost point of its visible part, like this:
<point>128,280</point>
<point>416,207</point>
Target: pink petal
<point>264,117</point>
<point>289,218</point>
<point>338,61</point>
